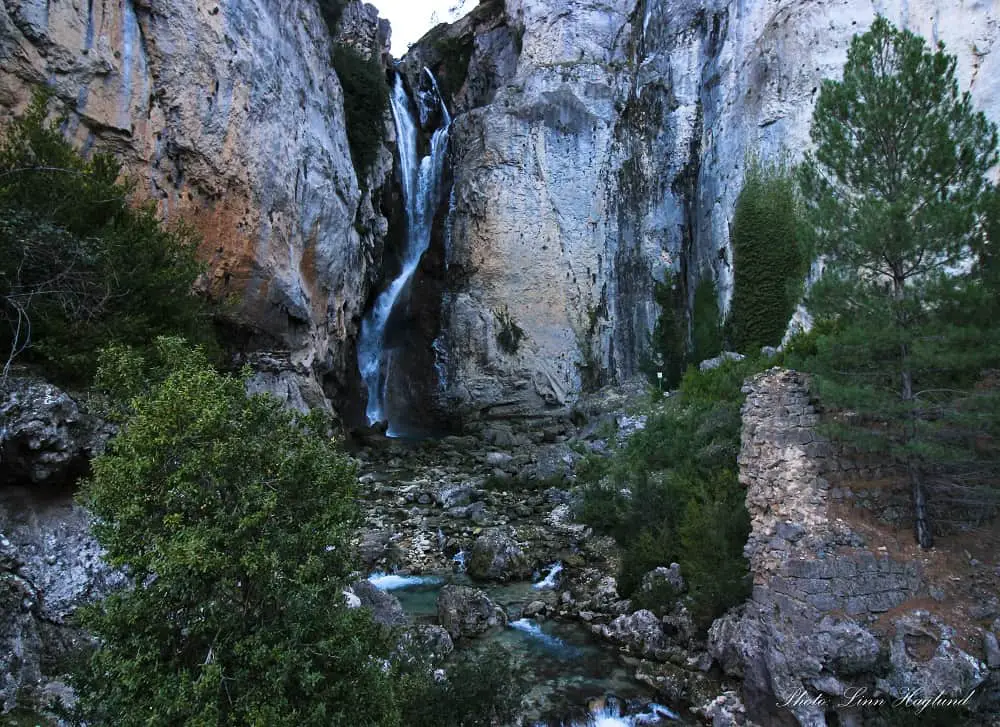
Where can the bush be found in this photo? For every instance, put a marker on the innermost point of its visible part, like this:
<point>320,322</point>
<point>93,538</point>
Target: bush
<point>233,518</point>
<point>80,267</point>
<point>330,11</point>
<point>482,689</point>
<point>769,268</point>
<point>509,334</point>
<point>671,494</point>
<point>366,97</point>
<point>455,53</point>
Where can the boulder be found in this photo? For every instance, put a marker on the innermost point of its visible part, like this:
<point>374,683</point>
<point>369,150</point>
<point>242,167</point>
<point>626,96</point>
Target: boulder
<point>726,710</point>
<point>294,385</point>
<point>992,650</point>
<point>50,565</point>
<point>498,459</point>
<point>555,461</point>
<point>476,512</point>
<point>714,363</point>
<point>455,496</point>
<point>640,632</point>
<point>385,607</point>
<point>465,612</point>
<point>533,609</point>
<point>678,625</point>
<point>925,660</point>
<point>496,556</point>
<point>426,640</point>
<point>45,439</point>
<point>374,546</point>
<point>664,577</point>
<point>845,647</point>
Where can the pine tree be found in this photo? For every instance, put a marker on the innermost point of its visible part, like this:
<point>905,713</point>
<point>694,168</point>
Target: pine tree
<point>896,193</point>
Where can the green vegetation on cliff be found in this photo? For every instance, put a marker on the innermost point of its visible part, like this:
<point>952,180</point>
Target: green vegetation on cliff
<point>81,267</point>
<point>768,267</point>
<point>366,98</point>
<point>669,339</point>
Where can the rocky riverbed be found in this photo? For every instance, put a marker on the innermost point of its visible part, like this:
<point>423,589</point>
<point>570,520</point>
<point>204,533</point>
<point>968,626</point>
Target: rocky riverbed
<point>476,534</point>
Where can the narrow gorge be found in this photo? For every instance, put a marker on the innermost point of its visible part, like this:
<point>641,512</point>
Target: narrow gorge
<point>475,263</point>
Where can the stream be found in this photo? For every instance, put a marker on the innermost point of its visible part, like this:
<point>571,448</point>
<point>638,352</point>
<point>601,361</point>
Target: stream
<point>576,680</point>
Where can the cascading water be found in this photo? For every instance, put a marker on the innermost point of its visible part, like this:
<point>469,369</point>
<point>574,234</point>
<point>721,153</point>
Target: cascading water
<point>421,191</point>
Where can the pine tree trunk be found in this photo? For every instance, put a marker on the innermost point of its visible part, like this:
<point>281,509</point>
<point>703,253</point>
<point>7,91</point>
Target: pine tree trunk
<point>921,520</point>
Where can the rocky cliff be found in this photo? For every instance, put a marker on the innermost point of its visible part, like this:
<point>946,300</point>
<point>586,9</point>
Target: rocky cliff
<point>229,116</point>
<point>598,146</point>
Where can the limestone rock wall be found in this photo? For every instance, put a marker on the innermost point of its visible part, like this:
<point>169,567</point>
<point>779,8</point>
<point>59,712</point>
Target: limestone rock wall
<point>598,146</point>
<point>229,116</point>
<point>833,611</point>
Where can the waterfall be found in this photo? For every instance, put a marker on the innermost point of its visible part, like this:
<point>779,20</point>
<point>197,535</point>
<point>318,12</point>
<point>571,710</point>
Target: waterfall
<point>551,579</point>
<point>421,191</point>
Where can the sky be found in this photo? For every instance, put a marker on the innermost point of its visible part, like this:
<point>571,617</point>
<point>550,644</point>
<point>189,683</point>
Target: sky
<point>410,19</point>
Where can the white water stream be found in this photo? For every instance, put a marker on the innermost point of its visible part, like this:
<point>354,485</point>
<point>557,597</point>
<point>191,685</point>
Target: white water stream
<point>421,191</point>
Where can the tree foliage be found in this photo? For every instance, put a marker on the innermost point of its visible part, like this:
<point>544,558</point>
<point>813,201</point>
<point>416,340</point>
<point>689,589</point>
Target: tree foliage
<point>330,11</point>
<point>767,259</point>
<point>79,266</point>
<point>897,190</point>
<point>669,339</point>
<point>233,520</point>
<point>670,494</point>
<point>366,97</point>
<point>706,322</point>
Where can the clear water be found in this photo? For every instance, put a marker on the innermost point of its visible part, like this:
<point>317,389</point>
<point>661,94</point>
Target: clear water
<point>421,191</point>
<point>565,666</point>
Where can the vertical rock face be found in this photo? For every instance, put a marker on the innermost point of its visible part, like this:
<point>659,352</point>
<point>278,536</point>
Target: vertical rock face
<point>598,147</point>
<point>229,116</point>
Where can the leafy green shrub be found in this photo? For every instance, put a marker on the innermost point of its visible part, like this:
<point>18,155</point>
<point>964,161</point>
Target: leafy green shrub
<point>769,268</point>
<point>670,494</point>
<point>455,52</point>
<point>482,688</point>
<point>366,97</point>
<point>509,334</point>
<point>79,267</point>
<point>234,519</point>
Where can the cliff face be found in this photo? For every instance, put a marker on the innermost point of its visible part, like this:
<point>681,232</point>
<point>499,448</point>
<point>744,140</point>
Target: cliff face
<point>597,147</point>
<point>229,116</point>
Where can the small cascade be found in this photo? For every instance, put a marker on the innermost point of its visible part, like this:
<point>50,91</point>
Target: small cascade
<point>393,582</point>
<point>551,579</point>
<point>421,191</point>
<point>610,715</point>
<point>459,560</point>
<point>532,629</point>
